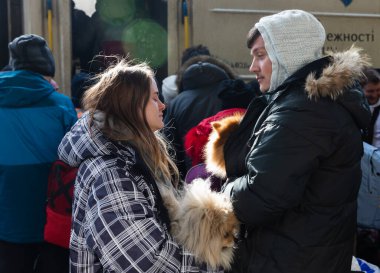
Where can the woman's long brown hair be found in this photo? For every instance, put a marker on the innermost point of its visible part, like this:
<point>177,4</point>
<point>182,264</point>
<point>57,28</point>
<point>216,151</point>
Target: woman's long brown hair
<point>122,93</point>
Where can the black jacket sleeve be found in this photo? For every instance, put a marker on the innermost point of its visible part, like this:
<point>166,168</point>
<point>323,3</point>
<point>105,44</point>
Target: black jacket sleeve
<point>279,165</point>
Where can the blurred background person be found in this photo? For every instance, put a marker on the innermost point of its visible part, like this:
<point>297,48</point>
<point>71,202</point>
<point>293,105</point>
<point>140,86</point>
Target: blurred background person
<point>34,119</point>
<point>82,80</point>
<point>206,85</point>
<point>371,87</point>
<point>169,86</point>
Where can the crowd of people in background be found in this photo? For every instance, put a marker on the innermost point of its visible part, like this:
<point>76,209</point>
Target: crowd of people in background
<point>292,162</point>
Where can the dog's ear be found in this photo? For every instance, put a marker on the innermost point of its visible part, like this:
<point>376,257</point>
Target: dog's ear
<point>216,216</point>
<point>232,222</point>
<point>216,125</point>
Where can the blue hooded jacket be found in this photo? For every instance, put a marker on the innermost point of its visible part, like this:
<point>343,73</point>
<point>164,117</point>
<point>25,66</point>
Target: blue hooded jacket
<point>34,119</point>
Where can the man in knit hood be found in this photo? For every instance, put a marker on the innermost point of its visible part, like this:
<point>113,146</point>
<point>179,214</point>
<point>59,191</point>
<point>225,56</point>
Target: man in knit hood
<point>297,198</point>
<point>292,39</point>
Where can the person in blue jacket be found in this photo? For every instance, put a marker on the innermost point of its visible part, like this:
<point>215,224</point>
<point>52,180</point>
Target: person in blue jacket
<point>34,119</point>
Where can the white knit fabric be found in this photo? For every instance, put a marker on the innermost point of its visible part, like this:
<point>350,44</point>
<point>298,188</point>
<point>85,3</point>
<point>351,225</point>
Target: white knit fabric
<point>292,38</point>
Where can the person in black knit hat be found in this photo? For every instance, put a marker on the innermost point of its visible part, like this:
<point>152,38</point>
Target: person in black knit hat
<point>34,118</point>
<point>30,52</point>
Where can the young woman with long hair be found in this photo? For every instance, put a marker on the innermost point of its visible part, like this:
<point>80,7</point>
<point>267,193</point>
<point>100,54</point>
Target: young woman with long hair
<point>119,221</point>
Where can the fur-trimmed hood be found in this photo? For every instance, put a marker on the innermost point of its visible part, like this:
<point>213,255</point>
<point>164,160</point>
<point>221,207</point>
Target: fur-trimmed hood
<point>344,70</point>
<point>339,81</point>
<point>336,77</point>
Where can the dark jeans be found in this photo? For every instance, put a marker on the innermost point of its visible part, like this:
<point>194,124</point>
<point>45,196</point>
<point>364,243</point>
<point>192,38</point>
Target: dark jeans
<point>53,259</point>
<point>18,258</point>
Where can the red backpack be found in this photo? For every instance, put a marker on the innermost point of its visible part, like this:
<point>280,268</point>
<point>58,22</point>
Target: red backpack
<point>59,203</point>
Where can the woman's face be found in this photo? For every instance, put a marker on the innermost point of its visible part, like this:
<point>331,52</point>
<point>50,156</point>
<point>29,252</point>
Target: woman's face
<point>154,109</point>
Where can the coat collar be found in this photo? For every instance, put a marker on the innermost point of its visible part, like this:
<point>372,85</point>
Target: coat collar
<point>329,76</point>
<point>344,70</point>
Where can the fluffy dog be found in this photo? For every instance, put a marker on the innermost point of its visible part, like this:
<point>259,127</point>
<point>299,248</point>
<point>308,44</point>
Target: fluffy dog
<point>203,222</point>
<point>214,154</point>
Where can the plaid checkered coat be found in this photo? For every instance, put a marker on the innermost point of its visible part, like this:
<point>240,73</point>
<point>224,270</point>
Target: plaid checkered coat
<point>116,220</point>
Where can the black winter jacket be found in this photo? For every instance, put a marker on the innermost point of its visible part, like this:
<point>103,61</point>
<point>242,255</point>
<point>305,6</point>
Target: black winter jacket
<point>298,198</point>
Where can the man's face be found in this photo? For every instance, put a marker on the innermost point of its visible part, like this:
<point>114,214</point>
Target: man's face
<point>261,64</point>
<point>372,92</point>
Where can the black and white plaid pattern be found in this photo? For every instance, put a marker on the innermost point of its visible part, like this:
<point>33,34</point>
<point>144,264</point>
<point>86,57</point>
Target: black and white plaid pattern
<point>115,228</point>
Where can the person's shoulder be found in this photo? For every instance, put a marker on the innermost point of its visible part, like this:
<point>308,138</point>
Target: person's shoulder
<point>177,103</point>
<point>60,97</point>
<point>187,96</point>
<point>123,156</point>
<point>21,76</point>
<point>62,101</point>
<point>95,167</point>
<point>6,73</point>
<point>119,166</point>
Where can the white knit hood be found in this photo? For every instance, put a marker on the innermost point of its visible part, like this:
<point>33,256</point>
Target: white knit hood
<point>292,38</point>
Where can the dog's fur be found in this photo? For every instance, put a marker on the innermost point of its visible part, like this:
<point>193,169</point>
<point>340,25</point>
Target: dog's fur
<point>214,154</point>
<point>203,222</point>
